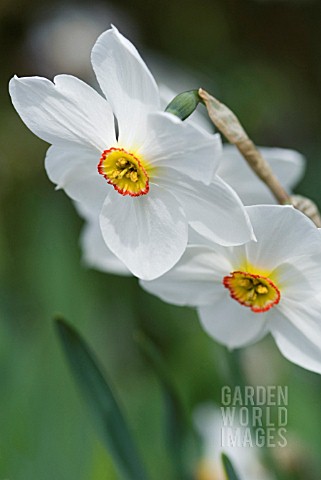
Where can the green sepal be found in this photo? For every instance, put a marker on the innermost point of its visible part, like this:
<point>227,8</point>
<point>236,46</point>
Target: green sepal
<point>184,104</point>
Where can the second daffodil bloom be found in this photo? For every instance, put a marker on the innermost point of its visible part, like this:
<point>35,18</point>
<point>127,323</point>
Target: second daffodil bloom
<point>209,423</point>
<point>145,173</point>
<point>272,285</point>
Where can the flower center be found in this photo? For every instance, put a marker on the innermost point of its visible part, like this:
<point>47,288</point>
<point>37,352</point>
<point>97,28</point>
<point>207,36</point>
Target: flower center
<point>254,291</point>
<point>124,172</point>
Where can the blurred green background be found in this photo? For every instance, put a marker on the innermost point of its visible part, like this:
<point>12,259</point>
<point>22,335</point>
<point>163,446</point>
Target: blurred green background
<point>262,58</point>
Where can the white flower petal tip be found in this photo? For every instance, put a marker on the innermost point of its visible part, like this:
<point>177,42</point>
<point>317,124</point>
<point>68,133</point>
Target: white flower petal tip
<point>113,34</point>
<point>272,225</point>
<point>65,111</point>
<point>127,84</point>
<point>216,212</point>
<point>244,292</point>
<point>74,168</point>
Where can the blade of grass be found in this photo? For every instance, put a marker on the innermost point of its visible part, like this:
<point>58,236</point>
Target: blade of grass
<point>228,468</point>
<point>178,431</point>
<point>102,404</point>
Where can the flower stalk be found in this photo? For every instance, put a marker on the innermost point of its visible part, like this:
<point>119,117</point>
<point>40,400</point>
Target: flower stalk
<point>229,125</point>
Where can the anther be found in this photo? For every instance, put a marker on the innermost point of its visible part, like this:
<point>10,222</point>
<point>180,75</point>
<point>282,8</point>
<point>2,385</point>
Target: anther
<point>246,283</point>
<point>124,171</point>
<point>261,289</point>
<point>122,162</point>
<point>133,176</point>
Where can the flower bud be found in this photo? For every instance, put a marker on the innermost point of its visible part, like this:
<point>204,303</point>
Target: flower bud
<point>184,104</point>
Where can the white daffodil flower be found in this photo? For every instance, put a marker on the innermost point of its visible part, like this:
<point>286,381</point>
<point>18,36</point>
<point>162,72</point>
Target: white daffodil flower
<point>287,165</point>
<point>148,176</point>
<point>246,460</point>
<point>242,293</point>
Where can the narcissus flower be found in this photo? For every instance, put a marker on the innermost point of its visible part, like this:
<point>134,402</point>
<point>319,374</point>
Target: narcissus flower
<point>144,172</point>
<point>246,459</point>
<point>272,285</point>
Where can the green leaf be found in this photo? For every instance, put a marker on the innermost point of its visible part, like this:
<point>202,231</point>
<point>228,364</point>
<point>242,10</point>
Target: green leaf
<point>228,468</point>
<point>177,424</point>
<point>184,104</point>
<point>102,404</point>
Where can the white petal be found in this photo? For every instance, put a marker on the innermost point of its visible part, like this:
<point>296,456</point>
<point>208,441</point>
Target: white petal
<point>175,144</point>
<point>74,168</point>
<point>214,211</point>
<point>296,328</point>
<point>232,324</point>
<point>287,165</point>
<point>148,233</point>
<point>67,110</point>
<point>96,254</point>
<point>62,158</point>
<point>282,233</point>
<point>305,315</point>
<point>299,278</point>
<point>127,83</point>
<point>195,280</point>
<point>195,238</point>
<point>234,255</point>
<point>86,213</point>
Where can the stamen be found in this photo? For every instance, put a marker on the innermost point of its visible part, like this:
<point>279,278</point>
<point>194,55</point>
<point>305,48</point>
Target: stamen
<point>261,289</point>
<point>133,176</point>
<point>122,162</point>
<point>251,290</point>
<point>124,171</point>
<point>246,283</point>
